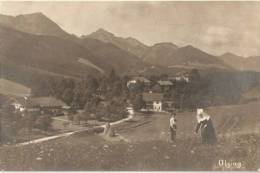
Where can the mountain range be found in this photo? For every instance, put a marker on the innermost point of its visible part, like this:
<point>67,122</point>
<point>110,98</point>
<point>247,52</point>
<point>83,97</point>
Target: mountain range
<point>35,44</point>
<point>168,54</point>
<point>251,63</point>
<point>129,44</point>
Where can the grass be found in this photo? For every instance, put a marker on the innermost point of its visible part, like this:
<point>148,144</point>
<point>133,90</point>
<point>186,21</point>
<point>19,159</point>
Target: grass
<point>94,153</point>
<point>8,87</point>
<point>148,149</point>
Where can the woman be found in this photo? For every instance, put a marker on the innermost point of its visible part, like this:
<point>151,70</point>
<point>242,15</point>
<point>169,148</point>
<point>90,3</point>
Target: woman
<point>206,127</point>
<point>210,130</point>
<point>201,125</point>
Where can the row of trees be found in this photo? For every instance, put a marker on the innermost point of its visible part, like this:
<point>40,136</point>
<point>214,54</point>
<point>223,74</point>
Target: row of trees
<point>90,93</point>
<point>103,97</point>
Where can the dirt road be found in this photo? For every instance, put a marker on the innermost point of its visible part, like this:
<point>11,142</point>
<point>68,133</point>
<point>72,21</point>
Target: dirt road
<point>70,133</point>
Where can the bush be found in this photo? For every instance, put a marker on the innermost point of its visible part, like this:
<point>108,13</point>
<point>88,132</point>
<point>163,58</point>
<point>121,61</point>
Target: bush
<point>43,122</point>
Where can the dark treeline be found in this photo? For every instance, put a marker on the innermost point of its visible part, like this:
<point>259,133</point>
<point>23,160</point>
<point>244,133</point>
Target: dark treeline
<point>106,98</point>
<point>94,93</point>
<point>100,97</point>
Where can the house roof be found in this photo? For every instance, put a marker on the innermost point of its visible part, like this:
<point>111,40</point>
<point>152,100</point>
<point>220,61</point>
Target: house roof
<point>166,82</point>
<point>149,97</point>
<point>11,88</point>
<point>47,102</point>
<point>142,79</point>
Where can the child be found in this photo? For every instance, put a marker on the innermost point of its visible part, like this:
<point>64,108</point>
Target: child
<point>173,126</point>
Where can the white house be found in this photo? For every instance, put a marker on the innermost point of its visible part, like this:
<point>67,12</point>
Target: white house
<point>136,79</point>
<point>157,106</point>
<point>153,101</point>
<point>180,78</point>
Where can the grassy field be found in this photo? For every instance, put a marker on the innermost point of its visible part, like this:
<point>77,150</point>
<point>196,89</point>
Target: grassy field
<point>148,147</point>
<point>12,88</point>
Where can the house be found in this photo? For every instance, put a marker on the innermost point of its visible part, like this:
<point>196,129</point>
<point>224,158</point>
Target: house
<point>40,105</point>
<point>19,104</point>
<point>182,76</point>
<point>165,85</point>
<point>130,109</point>
<point>137,79</point>
<point>49,105</point>
<point>153,101</point>
<point>24,104</point>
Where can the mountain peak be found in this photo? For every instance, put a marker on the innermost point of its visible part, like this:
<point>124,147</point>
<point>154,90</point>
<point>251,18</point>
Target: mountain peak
<point>189,47</point>
<point>128,44</point>
<point>36,15</point>
<point>166,45</point>
<point>34,23</point>
<point>134,42</point>
<point>229,54</point>
<point>103,32</point>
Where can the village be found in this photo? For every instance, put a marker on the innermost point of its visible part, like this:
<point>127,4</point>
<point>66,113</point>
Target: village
<point>48,128</point>
<point>57,115</point>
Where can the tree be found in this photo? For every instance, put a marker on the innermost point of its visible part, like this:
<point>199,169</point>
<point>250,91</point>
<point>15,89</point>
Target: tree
<point>43,122</point>
<point>67,96</point>
<point>112,76</point>
<point>76,119</point>
<point>194,75</point>
<point>138,103</point>
<point>10,122</point>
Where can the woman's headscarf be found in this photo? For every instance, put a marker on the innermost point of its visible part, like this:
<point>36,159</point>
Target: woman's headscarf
<point>201,115</point>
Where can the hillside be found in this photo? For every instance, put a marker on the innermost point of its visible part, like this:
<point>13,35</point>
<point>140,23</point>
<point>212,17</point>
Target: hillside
<point>162,54</point>
<point>118,59</point>
<point>47,53</point>
<point>48,49</point>
<point>8,87</point>
<point>129,44</point>
<point>35,23</point>
<point>190,55</point>
<point>241,63</point>
<point>107,56</point>
<point>169,55</point>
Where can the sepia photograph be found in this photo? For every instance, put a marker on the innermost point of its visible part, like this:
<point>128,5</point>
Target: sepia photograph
<point>130,85</point>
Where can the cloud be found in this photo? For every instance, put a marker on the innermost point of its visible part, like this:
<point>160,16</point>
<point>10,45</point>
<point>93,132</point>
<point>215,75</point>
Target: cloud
<point>217,35</point>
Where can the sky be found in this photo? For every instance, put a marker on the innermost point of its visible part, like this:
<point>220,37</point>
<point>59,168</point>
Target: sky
<point>215,27</point>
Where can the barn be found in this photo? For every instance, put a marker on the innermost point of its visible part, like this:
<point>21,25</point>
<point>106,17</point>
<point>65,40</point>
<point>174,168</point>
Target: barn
<point>49,105</point>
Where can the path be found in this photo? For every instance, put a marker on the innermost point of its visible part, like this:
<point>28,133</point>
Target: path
<point>70,133</point>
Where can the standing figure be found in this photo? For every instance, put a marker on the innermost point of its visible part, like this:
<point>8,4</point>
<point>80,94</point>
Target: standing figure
<point>205,125</point>
<point>210,130</point>
<point>107,128</point>
<point>108,131</point>
<point>173,126</point>
<point>201,125</point>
